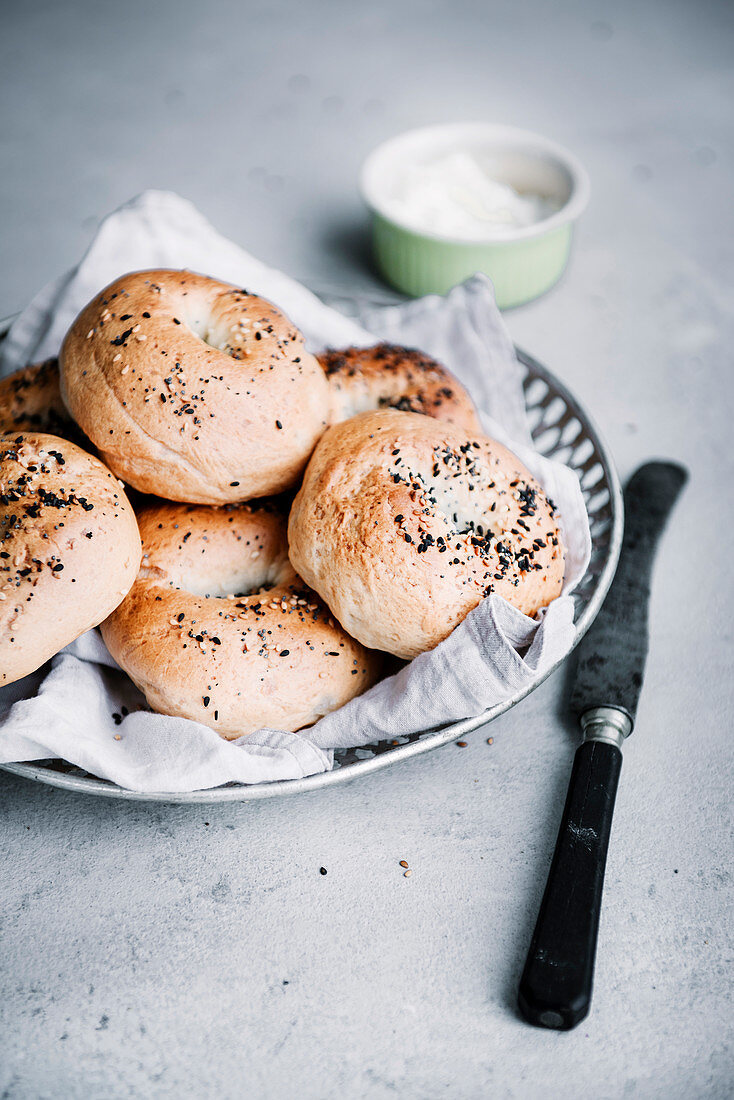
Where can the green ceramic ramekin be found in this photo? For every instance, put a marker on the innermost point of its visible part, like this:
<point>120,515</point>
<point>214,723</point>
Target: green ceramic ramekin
<point>522,263</point>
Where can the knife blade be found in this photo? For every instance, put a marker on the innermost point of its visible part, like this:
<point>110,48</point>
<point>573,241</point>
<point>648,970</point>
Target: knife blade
<point>612,655</point>
<point>556,985</point>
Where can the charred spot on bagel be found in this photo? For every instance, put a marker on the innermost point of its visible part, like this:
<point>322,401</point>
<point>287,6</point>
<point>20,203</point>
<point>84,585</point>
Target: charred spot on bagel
<point>414,403</point>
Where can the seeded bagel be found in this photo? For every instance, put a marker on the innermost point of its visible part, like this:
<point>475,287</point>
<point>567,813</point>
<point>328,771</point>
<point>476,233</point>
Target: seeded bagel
<point>69,548</point>
<point>219,628</point>
<point>192,389</point>
<point>394,377</point>
<point>30,401</point>
<point>403,524</point>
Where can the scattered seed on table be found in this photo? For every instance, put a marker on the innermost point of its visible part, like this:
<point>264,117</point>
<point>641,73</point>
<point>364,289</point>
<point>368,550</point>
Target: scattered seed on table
<point>461,744</point>
<point>403,863</point>
<point>490,740</point>
<point>322,870</point>
<point>408,873</point>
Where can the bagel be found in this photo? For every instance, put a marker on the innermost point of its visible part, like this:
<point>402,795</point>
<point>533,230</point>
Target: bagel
<point>402,525</point>
<point>219,628</point>
<point>30,401</point>
<point>192,389</point>
<point>69,548</point>
<point>389,376</point>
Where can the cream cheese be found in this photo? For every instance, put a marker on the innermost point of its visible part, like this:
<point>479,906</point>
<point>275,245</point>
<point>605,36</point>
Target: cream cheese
<point>455,197</point>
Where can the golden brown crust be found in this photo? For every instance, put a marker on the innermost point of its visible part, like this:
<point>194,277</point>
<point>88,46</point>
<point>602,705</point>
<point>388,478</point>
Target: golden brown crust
<point>390,376</point>
<point>30,401</point>
<point>199,648</point>
<point>69,548</point>
<point>193,389</point>
<point>403,525</point>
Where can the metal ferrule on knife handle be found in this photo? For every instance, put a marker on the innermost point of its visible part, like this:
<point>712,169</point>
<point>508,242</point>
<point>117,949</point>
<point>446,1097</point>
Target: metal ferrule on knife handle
<point>609,724</point>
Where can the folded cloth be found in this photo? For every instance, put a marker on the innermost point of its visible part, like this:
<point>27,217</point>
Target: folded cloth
<point>85,710</point>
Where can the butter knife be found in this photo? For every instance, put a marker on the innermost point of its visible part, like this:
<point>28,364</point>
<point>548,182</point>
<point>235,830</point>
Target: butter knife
<point>556,985</point>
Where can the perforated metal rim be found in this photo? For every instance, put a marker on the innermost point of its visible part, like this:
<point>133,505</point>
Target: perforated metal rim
<point>561,428</point>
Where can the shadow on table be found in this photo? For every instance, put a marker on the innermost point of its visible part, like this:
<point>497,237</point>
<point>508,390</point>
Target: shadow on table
<point>346,253</point>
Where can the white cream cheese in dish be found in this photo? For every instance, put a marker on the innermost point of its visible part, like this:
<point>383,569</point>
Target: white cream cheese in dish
<point>454,196</point>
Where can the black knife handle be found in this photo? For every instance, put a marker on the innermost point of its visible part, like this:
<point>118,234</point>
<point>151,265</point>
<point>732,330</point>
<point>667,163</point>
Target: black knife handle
<point>555,990</point>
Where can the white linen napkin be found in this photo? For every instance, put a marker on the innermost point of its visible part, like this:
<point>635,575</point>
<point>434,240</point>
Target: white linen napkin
<point>84,709</point>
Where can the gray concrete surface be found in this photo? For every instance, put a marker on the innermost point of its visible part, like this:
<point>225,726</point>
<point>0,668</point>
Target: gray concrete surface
<point>192,952</point>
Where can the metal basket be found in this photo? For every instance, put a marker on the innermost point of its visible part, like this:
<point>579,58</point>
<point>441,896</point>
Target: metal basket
<point>561,429</point>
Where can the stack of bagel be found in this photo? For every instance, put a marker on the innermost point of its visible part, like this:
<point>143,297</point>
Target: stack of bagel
<point>253,526</point>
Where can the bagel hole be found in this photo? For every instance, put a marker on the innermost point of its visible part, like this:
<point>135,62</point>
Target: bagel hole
<point>194,319</point>
<point>215,335</point>
<point>198,320</point>
<point>251,578</point>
